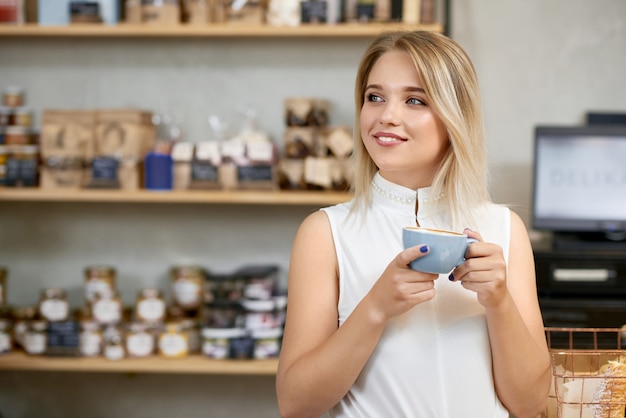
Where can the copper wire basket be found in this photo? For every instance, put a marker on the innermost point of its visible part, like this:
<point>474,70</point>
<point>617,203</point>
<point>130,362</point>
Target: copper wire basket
<point>589,373</point>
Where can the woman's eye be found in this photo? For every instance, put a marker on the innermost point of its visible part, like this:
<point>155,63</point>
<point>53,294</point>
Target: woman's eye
<point>415,101</point>
<point>374,98</point>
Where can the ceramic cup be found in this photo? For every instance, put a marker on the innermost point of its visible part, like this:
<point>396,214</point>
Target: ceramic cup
<point>447,248</point>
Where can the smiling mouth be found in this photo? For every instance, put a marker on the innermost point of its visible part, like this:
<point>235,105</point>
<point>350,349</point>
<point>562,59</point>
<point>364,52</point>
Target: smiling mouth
<point>389,139</point>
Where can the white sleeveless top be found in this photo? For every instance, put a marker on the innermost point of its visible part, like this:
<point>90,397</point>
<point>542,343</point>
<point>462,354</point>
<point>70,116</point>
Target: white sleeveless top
<point>435,360</point>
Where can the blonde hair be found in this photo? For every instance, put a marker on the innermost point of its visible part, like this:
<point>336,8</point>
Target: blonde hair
<point>449,81</point>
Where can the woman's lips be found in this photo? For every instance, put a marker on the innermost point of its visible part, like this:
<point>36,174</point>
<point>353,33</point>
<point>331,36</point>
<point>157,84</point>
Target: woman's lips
<point>386,138</point>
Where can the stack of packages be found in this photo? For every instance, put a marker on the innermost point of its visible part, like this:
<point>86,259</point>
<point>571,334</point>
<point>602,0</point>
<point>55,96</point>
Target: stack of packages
<point>94,148</point>
<point>317,155</point>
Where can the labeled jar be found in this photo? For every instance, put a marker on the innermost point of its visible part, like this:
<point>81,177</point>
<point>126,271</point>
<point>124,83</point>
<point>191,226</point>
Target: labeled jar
<point>98,279</point>
<point>267,342</point>
<point>16,135</point>
<point>53,305</point>
<point>113,343</point>
<point>262,314</point>
<point>107,308</point>
<point>150,306</point>
<point>6,116</point>
<point>173,341</point>
<point>260,281</point>
<point>22,166</point>
<point>5,336</point>
<point>188,286</point>
<point>36,337</point>
<point>140,340</point>
<point>91,340</point>
<point>216,342</point>
<point>21,318</point>
<point>13,96</point>
<point>190,327</point>
<point>23,117</point>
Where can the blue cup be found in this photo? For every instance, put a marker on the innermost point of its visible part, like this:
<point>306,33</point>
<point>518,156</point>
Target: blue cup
<point>447,248</point>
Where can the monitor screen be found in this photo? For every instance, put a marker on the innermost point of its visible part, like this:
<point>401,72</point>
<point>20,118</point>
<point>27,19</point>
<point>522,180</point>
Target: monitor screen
<point>580,179</point>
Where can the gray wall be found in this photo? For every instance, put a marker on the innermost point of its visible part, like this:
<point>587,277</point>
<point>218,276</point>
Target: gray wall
<point>538,62</point>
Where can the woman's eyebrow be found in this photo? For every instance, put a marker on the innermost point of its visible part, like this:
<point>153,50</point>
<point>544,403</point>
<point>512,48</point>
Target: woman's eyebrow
<point>411,89</point>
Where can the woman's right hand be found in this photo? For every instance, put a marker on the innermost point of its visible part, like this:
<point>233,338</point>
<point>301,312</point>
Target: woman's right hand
<point>400,288</point>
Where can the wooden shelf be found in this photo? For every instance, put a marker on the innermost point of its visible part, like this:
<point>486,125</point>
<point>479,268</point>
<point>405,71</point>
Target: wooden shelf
<point>354,30</point>
<point>188,196</point>
<point>195,364</point>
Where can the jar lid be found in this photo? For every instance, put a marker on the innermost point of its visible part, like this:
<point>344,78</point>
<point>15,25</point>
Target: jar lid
<point>53,293</point>
<point>223,332</point>
<point>186,271</point>
<point>151,293</point>
<point>13,90</point>
<point>99,271</point>
<point>258,305</point>
<point>262,333</point>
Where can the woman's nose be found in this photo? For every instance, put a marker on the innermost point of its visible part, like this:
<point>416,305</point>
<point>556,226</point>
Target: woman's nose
<point>390,114</point>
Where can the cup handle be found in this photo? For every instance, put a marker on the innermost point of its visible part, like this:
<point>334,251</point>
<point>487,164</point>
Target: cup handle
<point>469,241</point>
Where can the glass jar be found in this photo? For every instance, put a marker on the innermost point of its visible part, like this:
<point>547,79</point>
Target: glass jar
<point>216,341</point>
<point>173,341</point>
<point>113,343</point>
<point>260,281</point>
<point>5,336</point>
<point>36,337</point>
<point>53,305</point>
<point>107,308</point>
<point>91,340</point>
<point>98,279</point>
<point>21,317</point>
<point>150,306</point>
<point>190,327</point>
<point>22,166</point>
<point>267,342</point>
<point>223,314</point>
<point>262,314</point>
<point>188,286</point>
<point>13,96</point>
<point>140,340</point>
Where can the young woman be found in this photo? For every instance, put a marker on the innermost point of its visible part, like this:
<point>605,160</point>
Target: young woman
<point>365,335</point>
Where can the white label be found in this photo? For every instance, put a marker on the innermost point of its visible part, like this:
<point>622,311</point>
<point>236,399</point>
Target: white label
<point>259,289</point>
<point>216,348</point>
<point>209,151</point>
<point>266,348</point>
<point>233,148</point>
<point>55,309</point>
<point>95,287</point>
<point>107,311</point>
<point>151,309</point>
<point>173,345</point>
<point>187,292</point>
<point>140,344</point>
<point>35,342</point>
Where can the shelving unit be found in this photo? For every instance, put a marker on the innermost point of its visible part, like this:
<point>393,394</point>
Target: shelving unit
<point>194,196</point>
<point>346,30</point>
<point>195,364</point>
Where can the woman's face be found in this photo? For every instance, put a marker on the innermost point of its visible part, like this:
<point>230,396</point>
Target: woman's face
<point>401,133</point>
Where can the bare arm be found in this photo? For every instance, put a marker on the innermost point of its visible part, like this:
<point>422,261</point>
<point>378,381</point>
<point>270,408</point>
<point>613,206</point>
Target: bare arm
<point>521,360</point>
<point>320,361</point>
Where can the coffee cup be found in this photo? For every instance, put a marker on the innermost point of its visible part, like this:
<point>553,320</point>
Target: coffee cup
<point>446,248</point>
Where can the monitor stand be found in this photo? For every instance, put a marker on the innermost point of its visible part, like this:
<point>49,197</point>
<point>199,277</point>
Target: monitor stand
<point>598,241</point>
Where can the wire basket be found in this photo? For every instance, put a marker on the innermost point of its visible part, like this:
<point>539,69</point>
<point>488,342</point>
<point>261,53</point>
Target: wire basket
<point>589,373</point>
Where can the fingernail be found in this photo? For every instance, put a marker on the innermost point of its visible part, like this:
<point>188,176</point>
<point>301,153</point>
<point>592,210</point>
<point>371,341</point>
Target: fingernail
<point>468,229</point>
<point>424,249</point>
<point>451,277</point>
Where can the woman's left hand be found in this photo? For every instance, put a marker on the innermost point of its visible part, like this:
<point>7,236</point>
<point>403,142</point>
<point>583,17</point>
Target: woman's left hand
<point>483,272</point>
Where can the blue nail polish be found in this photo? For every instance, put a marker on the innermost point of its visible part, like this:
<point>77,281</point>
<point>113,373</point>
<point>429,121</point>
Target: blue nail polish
<point>424,249</point>
<point>451,277</point>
